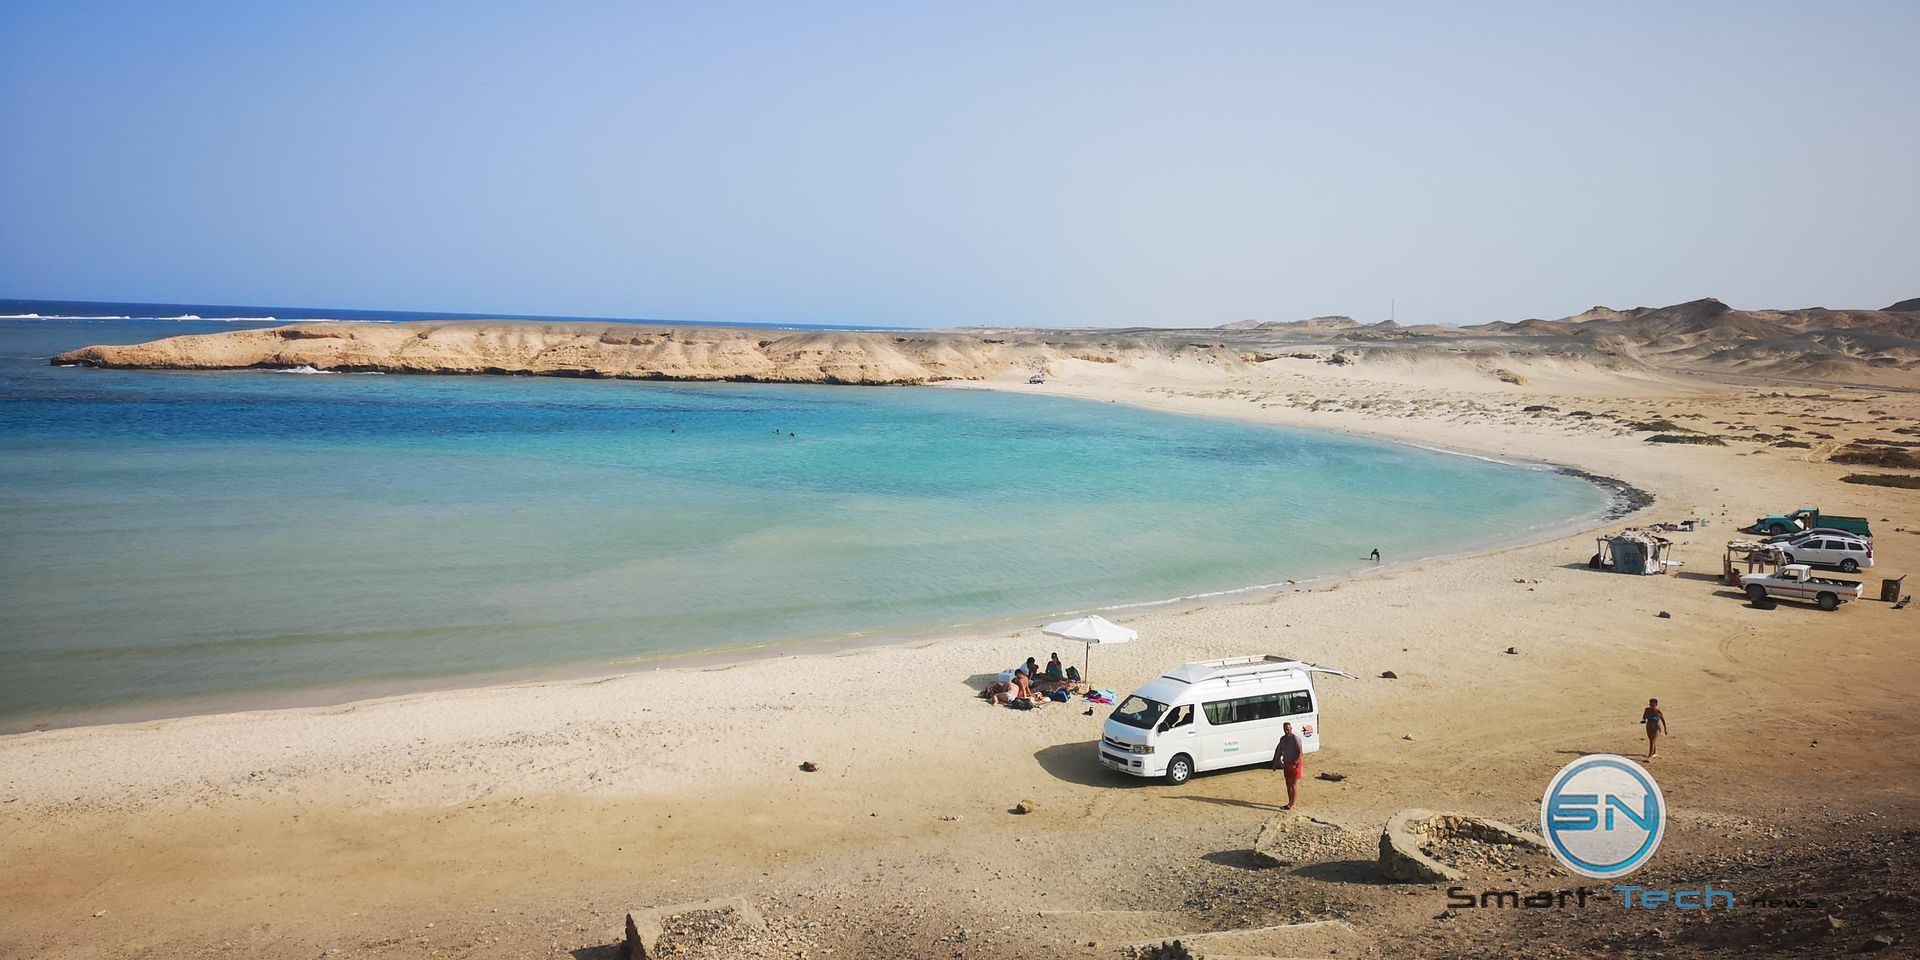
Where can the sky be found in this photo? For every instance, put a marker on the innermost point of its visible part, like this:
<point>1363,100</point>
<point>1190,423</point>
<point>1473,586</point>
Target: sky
<point>929,164</point>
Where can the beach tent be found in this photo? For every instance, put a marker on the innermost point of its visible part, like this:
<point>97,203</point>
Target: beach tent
<point>1091,630</point>
<point>1636,552</point>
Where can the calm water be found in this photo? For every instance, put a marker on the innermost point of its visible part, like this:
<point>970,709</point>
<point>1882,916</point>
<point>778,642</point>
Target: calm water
<point>171,535</point>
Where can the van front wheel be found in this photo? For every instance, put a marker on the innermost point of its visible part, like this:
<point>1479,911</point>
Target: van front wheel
<point>1179,769</point>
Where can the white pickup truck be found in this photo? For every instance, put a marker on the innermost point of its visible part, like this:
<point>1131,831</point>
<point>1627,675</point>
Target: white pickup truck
<point>1796,581</point>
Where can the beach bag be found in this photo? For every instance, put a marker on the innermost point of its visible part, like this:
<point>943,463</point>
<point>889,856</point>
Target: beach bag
<point>1073,674</point>
<point>1021,705</point>
<point>1059,696</point>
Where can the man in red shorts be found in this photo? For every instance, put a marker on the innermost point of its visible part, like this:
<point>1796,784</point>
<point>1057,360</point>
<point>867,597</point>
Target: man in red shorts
<point>1290,759</point>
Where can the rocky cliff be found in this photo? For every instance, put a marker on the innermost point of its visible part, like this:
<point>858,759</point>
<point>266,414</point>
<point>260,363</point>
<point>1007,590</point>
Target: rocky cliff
<point>633,351</point>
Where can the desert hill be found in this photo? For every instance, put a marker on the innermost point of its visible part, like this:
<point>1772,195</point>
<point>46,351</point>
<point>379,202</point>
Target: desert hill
<point>1706,335</point>
<point>1311,324</point>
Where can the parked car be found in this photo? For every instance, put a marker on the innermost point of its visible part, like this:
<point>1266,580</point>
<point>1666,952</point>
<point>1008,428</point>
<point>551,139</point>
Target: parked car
<point>1816,532</point>
<point>1810,518</point>
<point>1213,714</point>
<point>1847,553</point>
<point>1796,581</point>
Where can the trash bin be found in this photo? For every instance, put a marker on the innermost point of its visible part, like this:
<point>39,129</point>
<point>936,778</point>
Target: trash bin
<point>1890,590</point>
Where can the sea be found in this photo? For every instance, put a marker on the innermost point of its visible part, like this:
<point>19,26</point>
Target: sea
<point>176,542</point>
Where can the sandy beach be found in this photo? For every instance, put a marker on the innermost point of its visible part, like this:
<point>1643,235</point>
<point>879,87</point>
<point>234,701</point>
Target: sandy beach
<point>528,819</point>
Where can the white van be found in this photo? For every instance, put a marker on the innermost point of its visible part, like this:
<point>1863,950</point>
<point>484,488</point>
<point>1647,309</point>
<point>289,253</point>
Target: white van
<point>1213,714</point>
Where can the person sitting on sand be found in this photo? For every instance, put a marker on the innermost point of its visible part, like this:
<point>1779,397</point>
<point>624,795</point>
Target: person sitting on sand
<point>1055,671</point>
<point>1032,668</point>
<point>1022,686</point>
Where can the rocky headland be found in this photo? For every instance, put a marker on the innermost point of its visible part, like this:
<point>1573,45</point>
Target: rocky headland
<point>1701,336</point>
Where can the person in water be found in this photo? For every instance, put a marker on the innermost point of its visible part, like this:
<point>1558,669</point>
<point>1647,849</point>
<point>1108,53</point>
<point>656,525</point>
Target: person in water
<point>1290,759</point>
<point>1376,554</point>
<point>1656,723</point>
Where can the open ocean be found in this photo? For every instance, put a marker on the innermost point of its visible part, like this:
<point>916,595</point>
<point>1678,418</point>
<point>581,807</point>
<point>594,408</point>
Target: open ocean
<point>172,538</point>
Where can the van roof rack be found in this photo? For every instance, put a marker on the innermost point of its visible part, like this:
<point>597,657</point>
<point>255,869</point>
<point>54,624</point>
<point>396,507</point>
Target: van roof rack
<point>1231,669</point>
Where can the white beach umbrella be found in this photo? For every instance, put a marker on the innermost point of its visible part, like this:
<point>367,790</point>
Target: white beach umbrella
<point>1091,630</point>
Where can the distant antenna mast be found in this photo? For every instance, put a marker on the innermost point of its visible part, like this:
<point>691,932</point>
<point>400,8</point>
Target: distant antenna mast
<point>1392,308</point>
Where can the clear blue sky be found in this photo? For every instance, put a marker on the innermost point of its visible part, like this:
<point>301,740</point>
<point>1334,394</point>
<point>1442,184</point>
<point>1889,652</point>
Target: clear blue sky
<point>1102,163</point>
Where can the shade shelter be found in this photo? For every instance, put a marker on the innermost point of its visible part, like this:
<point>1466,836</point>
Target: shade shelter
<point>1091,630</point>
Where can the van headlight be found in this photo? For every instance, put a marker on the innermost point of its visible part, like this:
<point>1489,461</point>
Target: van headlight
<point>1140,748</point>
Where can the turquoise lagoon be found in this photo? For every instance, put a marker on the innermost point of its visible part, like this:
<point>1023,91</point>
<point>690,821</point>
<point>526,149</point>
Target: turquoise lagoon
<point>170,538</point>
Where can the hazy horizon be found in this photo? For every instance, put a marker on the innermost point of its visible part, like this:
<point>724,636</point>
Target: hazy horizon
<point>1069,166</point>
<point>255,311</point>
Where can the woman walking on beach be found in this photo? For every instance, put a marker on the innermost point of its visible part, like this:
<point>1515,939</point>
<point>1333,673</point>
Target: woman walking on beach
<point>1656,723</point>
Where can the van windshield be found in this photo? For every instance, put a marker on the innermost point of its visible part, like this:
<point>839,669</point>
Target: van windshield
<point>1138,711</point>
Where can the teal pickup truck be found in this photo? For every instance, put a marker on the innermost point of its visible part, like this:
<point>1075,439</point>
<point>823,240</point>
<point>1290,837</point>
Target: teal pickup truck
<point>1807,518</point>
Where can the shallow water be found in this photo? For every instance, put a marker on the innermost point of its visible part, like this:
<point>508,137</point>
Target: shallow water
<point>169,535</point>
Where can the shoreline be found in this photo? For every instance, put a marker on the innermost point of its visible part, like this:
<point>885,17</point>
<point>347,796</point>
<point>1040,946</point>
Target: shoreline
<point>526,820</point>
<point>1623,500</point>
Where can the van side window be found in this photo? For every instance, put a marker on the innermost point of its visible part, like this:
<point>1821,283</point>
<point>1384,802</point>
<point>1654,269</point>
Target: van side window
<point>1297,703</point>
<point>1266,706</point>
